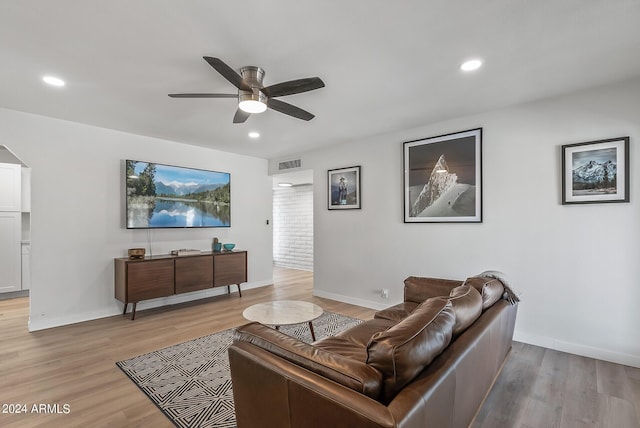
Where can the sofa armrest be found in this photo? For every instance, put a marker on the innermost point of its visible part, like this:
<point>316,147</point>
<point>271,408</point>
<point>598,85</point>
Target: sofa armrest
<point>271,392</point>
<point>418,289</point>
<point>353,374</point>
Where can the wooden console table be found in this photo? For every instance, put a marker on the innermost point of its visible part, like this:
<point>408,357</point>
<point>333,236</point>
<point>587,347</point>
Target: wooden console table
<point>165,275</point>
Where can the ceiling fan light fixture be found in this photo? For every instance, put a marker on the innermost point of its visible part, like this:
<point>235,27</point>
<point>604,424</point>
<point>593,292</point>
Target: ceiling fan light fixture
<point>252,106</point>
<point>252,102</point>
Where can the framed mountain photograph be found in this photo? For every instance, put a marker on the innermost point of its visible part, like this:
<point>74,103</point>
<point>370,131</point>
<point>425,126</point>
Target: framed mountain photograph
<point>596,171</point>
<point>443,178</point>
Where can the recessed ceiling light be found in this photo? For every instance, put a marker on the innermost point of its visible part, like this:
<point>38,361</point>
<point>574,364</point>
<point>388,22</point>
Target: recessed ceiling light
<point>254,134</point>
<point>471,65</point>
<point>53,81</point>
<point>285,184</point>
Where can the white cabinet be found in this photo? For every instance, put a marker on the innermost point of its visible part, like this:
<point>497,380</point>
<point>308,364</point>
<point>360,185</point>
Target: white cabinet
<point>10,227</point>
<point>10,251</point>
<point>10,187</point>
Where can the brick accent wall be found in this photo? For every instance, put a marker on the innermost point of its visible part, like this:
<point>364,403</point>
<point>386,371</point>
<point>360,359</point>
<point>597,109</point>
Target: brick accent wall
<point>293,227</point>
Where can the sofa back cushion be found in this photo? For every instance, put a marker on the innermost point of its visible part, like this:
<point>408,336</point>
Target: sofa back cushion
<point>490,288</point>
<point>467,305</point>
<point>420,288</point>
<point>404,350</point>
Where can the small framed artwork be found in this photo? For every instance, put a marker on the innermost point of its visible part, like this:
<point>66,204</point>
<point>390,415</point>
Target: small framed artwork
<point>596,171</point>
<point>344,188</point>
<point>443,178</point>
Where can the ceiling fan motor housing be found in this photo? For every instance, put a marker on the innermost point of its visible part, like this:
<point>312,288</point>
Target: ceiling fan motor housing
<point>253,76</point>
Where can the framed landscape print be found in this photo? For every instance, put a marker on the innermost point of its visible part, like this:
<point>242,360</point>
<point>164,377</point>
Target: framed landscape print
<point>344,188</point>
<point>443,178</point>
<point>596,171</point>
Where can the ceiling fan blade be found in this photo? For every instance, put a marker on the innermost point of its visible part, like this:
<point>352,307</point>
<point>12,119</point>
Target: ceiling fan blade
<point>241,116</point>
<point>203,95</point>
<point>293,87</point>
<point>228,73</point>
<point>289,109</point>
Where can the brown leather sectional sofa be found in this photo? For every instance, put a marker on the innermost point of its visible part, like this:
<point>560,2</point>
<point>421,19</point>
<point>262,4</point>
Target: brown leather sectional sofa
<point>426,362</point>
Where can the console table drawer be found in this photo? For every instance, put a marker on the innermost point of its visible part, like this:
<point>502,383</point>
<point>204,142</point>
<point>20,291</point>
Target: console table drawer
<point>149,280</point>
<point>194,273</point>
<point>230,268</point>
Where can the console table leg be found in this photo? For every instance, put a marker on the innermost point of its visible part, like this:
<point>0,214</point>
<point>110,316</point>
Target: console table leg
<point>239,290</point>
<point>133,312</point>
<point>125,309</point>
<point>313,333</point>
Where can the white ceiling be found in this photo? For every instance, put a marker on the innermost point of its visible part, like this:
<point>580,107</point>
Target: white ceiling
<point>387,65</point>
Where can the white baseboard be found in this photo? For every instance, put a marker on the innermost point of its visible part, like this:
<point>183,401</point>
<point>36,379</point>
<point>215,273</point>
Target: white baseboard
<point>578,349</point>
<point>46,322</point>
<point>51,322</point>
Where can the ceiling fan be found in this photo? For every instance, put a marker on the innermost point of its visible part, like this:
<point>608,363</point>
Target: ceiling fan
<point>253,96</point>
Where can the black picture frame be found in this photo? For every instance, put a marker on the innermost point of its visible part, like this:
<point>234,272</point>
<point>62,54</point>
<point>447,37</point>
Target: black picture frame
<point>443,178</point>
<point>344,188</point>
<point>596,172</point>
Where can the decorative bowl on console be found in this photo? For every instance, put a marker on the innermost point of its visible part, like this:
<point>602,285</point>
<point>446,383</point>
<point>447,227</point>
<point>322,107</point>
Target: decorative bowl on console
<point>136,253</point>
<point>228,247</point>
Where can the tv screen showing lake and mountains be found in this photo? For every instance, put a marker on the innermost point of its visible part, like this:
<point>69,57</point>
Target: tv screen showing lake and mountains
<point>165,196</point>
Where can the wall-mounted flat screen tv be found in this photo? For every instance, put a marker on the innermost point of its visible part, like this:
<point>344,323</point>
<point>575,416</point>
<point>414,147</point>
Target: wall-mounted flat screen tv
<point>165,196</point>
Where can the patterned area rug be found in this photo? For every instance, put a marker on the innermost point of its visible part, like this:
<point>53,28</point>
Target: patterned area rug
<point>191,383</point>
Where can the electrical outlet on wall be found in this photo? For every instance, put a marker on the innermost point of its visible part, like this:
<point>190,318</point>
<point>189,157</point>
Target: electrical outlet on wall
<point>384,293</point>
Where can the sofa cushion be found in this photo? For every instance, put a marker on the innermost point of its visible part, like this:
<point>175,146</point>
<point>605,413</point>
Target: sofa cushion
<point>345,371</point>
<point>361,333</point>
<point>397,312</point>
<point>490,288</point>
<point>418,288</point>
<point>404,350</point>
<point>344,347</point>
<point>467,305</point>
<point>352,343</point>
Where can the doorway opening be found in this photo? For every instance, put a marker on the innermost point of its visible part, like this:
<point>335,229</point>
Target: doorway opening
<point>293,220</point>
<point>15,226</point>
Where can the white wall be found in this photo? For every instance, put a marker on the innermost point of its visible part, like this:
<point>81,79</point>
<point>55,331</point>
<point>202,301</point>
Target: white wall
<point>77,213</point>
<point>576,266</point>
<point>293,227</point>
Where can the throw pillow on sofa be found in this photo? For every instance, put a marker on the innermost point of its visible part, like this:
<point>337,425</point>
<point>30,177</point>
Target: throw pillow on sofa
<point>404,350</point>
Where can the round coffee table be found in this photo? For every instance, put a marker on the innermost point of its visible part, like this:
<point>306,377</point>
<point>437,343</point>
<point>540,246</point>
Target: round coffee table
<point>284,312</point>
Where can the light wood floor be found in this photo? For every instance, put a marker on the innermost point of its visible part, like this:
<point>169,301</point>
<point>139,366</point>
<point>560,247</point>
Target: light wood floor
<point>75,365</point>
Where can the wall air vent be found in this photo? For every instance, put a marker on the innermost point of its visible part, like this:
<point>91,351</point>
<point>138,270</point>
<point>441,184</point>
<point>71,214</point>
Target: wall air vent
<point>290,164</point>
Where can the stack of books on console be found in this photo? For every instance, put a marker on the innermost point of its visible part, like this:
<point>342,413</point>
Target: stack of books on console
<point>185,252</point>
